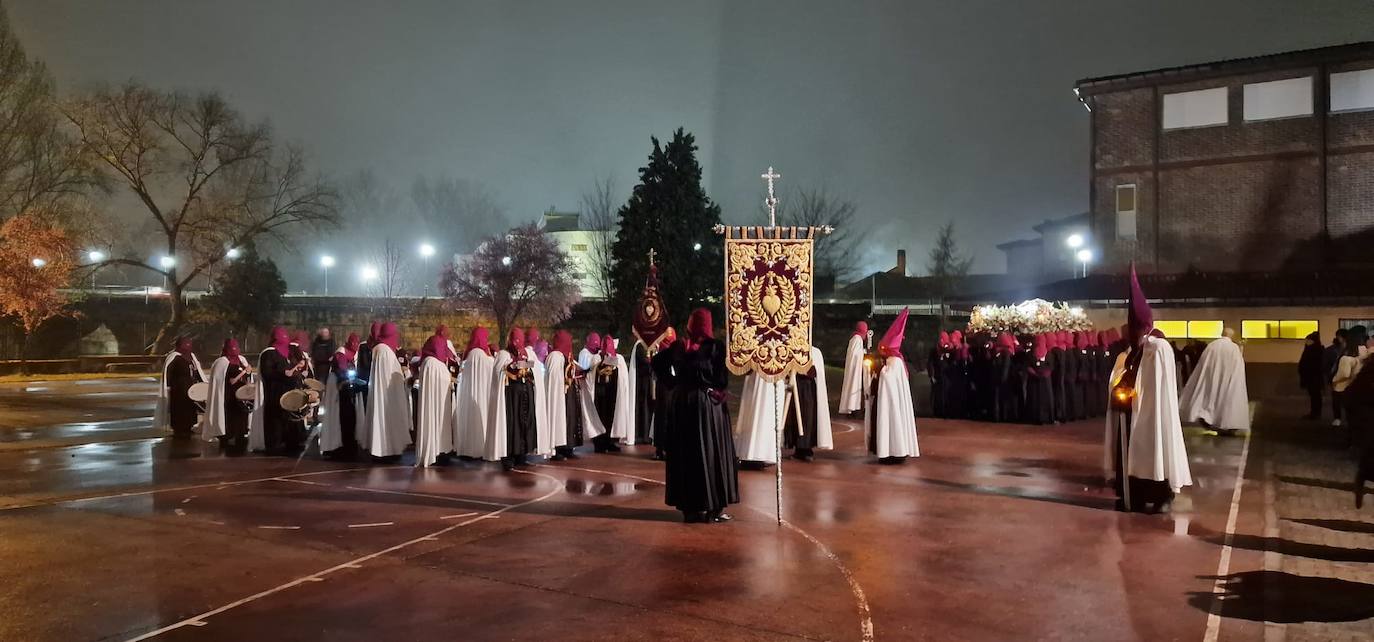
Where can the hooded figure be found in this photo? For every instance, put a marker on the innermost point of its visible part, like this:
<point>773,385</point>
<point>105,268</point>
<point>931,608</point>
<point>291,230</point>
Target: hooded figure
<point>541,377</point>
<point>615,402</point>
<point>513,430</point>
<point>1311,373</point>
<point>434,412</point>
<point>1040,383</point>
<point>182,372</point>
<point>956,383</point>
<point>339,430</point>
<point>891,416</point>
<point>809,410</point>
<point>1143,442</point>
<point>855,371</point>
<point>571,418</point>
<point>938,366</point>
<point>701,478</point>
<point>272,429</point>
<point>473,404</point>
<point>1006,391</point>
<point>388,401</point>
<point>226,419</point>
<point>161,416</point>
<point>1216,395</point>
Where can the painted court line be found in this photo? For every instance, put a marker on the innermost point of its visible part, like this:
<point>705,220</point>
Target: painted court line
<point>458,516</point>
<point>281,528</point>
<point>351,564</point>
<point>1224,566</point>
<point>372,525</point>
<point>443,497</point>
<point>216,485</point>
<point>865,613</point>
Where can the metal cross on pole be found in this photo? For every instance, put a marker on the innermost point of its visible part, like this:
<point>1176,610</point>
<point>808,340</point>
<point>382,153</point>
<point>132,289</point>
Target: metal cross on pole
<point>652,254</point>
<point>772,200</point>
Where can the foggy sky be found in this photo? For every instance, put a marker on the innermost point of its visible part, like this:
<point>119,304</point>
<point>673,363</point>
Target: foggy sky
<point>920,111</point>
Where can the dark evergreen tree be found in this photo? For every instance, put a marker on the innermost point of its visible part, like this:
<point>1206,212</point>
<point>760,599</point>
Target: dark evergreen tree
<point>246,295</point>
<point>669,212</point>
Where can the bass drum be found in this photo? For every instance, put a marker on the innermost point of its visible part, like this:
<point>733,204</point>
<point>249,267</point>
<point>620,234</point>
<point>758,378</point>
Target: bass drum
<point>313,385</point>
<point>199,392</point>
<point>294,401</point>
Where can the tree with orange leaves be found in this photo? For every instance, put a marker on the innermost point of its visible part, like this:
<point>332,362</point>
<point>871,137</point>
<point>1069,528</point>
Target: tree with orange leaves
<point>37,260</point>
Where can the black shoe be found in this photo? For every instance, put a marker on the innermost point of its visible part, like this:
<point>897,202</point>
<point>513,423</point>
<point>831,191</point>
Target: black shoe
<point>693,518</point>
<point>572,454</point>
<point>557,457</point>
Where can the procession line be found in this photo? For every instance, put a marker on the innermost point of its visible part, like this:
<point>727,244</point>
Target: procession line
<point>154,491</point>
<point>199,620</point>
<point>865,613</point>
<point>1224,565</point>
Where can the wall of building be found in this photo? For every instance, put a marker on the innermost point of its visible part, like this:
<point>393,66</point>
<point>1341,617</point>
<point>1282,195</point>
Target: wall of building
<point>578,246</point>
<point>1256,350</point>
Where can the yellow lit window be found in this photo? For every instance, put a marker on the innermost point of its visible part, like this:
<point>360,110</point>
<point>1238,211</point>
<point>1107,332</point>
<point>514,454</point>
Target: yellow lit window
<point>1259,329</point>
<point>1173,329</point>
<point>579,247</point>
<point>1204,329</point>
<point>1296,329</point>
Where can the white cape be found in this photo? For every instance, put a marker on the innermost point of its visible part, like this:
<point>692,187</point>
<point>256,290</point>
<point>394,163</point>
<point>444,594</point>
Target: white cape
<point>214,425</point>
<point>161,415</point>
<point>824,438</point>
<point>855,375</point>
<point>388,409</point>
<point>473,404</point>
<point>433,431</point>
<point>894,414</point>
<point>623,420</point>
<point>756,432</point>
<point>591,424</point>
<point>541,395</point>
<point>1155,451</point>
<point>257,438</point>
<point>1216,392</point>
<point>556,397</point>
<point>496,415</point>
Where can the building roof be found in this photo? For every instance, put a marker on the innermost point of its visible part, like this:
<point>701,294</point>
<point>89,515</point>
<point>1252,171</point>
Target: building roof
<point>1229,67</point>
<point>1065,221</point>
<point>560,221</point>
<point>894,288</point>
<point>1019,243</point>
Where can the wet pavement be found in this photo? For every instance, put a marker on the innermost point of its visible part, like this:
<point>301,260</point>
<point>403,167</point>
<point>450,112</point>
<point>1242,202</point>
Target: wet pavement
<point>40,414</point>
<point>997,533</point>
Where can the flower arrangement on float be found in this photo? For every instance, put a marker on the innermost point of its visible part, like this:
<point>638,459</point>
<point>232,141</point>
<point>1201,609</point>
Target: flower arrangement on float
<point>1035,316</point>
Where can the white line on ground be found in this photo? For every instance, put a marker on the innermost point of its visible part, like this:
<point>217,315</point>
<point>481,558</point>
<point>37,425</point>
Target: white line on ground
<point>865,613</point>
<point>1224,566</point>
<point>351,564</point>
<point>443,497</point>
<point>281,528</point>
<point>372,525</point>
<point>173,489</point>
<point>458,516</point>
<point>179,512</point>
<point>298,481</point>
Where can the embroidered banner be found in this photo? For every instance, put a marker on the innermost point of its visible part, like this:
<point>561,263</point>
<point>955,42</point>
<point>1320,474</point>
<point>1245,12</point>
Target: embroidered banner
<point>768,296</point>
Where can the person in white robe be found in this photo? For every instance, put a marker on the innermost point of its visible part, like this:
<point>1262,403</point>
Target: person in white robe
<point>1143,449</point>
<point>761,409</point>
<point>434,423</point>
<point>536,350</point>
<point>513,424</point>
<point>808,408</point>
<point>573,419</point>
<point>856,375</point>
<point>342,402</point>
<point>388,408</point>
<point>225,417</point>
<point>473,404</point>
<point>1215,395</point>
<point>889,414</point>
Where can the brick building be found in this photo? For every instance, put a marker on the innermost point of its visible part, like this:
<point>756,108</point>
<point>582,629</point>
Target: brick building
<point>1252,164</point>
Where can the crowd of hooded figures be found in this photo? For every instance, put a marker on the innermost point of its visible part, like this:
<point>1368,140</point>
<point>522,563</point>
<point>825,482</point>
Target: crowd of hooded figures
<point>372,400</point>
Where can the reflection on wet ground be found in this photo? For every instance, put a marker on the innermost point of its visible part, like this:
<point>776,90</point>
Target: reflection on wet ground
<point>1000,533</point>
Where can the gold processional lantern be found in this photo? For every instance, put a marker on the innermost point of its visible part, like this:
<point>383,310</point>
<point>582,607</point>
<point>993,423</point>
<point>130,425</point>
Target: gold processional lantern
<point>768,298</point>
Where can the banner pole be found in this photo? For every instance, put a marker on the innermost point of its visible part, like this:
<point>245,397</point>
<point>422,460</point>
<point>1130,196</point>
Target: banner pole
<point>777,442</point>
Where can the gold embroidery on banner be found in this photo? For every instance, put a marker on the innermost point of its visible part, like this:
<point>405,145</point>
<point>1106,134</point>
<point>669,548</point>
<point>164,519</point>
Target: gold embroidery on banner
<point>768,296</point>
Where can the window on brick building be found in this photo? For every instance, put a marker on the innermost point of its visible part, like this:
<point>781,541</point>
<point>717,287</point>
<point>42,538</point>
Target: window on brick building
<point>1252,329</point>
<point>1201,108</point>
<point>1286,98</point>
<point>1352,90</point>
<point>1125,211</point>
<point>579,247</point>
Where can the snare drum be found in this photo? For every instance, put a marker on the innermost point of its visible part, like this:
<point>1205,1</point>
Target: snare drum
<point>313,385</point>
<point>199,392</point>
<point>294,401</point>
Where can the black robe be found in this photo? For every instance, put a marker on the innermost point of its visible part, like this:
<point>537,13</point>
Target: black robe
<point>521,431</point>
<point>281,432</point>
<point>664,381</point>
<point>606,393</point>
<point>956,388</point>
<point>1058,368</point>
<point>181,411</point>
<point>701,469</point>
<point>235,414</point>
<point>935,369</point>
<point>806,400</point>
<point>1039,392</point>
<point>349,391</point>
<point>1005,388</point>
<point>644,396</point>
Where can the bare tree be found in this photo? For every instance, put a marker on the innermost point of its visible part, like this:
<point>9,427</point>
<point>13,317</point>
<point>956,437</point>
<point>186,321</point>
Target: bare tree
<point>518,276</point>
<point>206,180</point>
<point>39,162</point>
<point>947,265</point>
<point>599,217</point>
<point>393,268</point>
<point>457,211</point>
<point>839,254</point>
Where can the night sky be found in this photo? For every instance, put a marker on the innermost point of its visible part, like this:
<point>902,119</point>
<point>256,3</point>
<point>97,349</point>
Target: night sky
<point>920,111</point>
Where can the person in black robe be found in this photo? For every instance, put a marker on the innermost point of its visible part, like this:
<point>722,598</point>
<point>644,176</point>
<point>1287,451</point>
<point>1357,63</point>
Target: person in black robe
<point>235,438</point>
<point>181,374</point>
<point>957,378</point>
<point>666,380</point>
<point>364,360</point>
<point>936,365</point>
<point>644,393</point>
<point>1058,369</point>
<point>606,379</point>
<point>803,445</point>
<point>283,433</point>
<point>1311,374</point>
<point>521,428</point>
<point>1004,383</point>
<point>1358,401</point>
<point>1040,408</point>
<point>322,349</point>
<point>702,475</point>
<point>981,396</point>
<point>574,378</point>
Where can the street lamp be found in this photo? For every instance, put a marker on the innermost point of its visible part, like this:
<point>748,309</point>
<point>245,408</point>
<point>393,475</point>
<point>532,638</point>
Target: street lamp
<point>167,263</point>
<point>1075,241</point>
<point>426,251</point>
<point>1084,256</point>
<point>326,262</point>
<point>38,262</point>
<point>369,274</point>
<point>505,260</point>
<point>95,256</point>
<point>233,253</point>
<point>696,247</point>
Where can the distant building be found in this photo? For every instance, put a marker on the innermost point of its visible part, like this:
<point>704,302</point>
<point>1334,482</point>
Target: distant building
<point>1250,164</point>
<point>1049,256</point>
<point>566,230</point>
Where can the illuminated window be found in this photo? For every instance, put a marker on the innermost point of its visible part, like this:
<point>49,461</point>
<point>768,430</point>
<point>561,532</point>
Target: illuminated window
<point>1352,90</point>
<point>1259,329</point>
<point>1296,329</point>
<point>1204,329</point>
<point>1201,108</point>
<point>1125,212</point>
<point>1173,329</point>
<point>579,247</point>
<point>1278,99</point>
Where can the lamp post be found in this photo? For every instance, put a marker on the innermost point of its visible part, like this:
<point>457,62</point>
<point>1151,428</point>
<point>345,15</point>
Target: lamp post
<point>167,263</point>
<point>94,256</point>
<point>696,247</point>
<point>505,260</point>
<point>233,253</point>
<point>39,262</point>
<point>326,262</point>
<point>426,251</point>
<point>1084,256</point>
<point>368,274</point>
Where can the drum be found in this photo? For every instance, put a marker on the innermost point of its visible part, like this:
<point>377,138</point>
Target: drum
<point>199,392</point>
<point>313,385</point>
<point>247,394</point>
<point>312,398</point>
<point>294,401</point>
